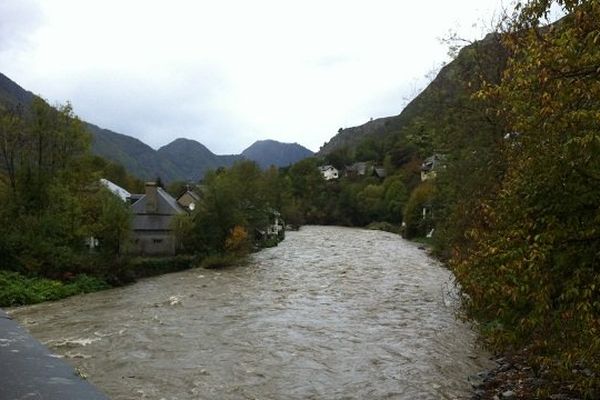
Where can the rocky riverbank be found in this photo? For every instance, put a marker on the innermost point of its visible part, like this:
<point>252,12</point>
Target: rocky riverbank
<point>514,378</point>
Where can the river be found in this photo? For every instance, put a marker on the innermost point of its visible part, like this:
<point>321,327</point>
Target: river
<point>331,313</point>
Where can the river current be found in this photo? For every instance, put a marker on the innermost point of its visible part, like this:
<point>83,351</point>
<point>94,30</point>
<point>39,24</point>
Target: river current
<point>331,313</point>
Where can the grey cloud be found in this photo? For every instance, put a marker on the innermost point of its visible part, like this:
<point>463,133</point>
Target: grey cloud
<point>156,111</point>
<point>18,18</point>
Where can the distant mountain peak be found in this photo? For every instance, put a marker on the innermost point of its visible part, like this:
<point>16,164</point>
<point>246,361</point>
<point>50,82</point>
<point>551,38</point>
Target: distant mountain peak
<point>271,152</point>
<point>182,159</point>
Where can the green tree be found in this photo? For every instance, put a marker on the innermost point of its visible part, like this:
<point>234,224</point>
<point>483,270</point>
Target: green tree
<point>50,186</point>
<point>396,197</point>
<point>419,222</point>
<point>531,266</point>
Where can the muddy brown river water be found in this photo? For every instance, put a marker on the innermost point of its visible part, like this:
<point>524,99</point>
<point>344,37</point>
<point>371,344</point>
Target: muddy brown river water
<point>331,313</point>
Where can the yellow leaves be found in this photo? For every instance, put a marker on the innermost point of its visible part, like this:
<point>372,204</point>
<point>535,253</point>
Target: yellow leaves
<point>237,241</point>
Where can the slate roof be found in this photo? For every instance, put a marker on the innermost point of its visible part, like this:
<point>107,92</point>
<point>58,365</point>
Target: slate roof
<point>156,221</point>
<point>193,194</point>
<point>380,172</point>
<point>359,168</point>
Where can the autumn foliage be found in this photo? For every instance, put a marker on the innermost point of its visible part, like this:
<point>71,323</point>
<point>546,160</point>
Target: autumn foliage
<point>532,270</point>
<point>237,241</point>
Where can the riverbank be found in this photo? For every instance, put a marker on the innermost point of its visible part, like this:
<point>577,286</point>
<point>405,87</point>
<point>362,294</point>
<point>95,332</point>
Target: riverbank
<point>516,375</point>
<point>17,289</point>
<point>515,378</point>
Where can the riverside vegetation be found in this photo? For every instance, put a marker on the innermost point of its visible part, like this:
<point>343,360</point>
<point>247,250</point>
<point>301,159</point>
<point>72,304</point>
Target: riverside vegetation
<point>515,207</point>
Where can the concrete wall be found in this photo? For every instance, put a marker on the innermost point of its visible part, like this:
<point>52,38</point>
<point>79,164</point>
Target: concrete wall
<point>28,370</point>
<point>153,243</point>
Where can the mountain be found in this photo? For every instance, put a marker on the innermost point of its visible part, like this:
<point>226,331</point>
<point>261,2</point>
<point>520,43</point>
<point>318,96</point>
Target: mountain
<point>182,159</point>
<point>138,158</point>
<point>192,159</point>
<point>351,137</point>
<point>446,96</point>
<point>12,93</point>
<point>271,152</point>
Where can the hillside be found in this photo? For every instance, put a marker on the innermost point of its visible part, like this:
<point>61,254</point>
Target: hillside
<point>351,137</point>
<point>271,152</point>
<point>444,96</point>
<point>182,159</point>
<point>191,159</point>
<point>138,158</point>
<point>11,93</point>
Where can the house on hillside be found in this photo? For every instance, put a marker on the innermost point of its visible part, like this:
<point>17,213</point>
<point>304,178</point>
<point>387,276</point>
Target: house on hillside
<point>189,200</point>
<point>329,172</point>
<point>358,169</point>
<point>430,166</point>
<point>152,221</point>
<point>379,172</point>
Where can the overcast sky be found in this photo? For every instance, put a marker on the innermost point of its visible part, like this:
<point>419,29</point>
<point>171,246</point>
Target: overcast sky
<point>228,73</point>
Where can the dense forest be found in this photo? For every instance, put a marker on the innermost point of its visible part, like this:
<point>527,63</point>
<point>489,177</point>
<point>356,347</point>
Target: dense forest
<point>513,209</point>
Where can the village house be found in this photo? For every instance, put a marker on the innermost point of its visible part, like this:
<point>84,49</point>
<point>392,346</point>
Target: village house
<point>430,166</point>
<point>153,215</point>
<point>379,172</point>
<point>329,172</point>
<point>358,169</point>
<point>189,199</point>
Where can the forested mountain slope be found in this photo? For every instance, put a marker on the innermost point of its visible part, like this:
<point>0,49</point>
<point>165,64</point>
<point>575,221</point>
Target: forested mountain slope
<point>272,152</point>
<point>182,159</point>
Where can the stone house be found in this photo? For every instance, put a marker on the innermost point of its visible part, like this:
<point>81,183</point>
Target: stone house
<point>153,215</point>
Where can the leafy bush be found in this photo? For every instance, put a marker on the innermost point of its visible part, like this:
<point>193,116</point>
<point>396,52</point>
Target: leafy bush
<point>144,267</point>
<point>17,289</point>
<point>221,260</point>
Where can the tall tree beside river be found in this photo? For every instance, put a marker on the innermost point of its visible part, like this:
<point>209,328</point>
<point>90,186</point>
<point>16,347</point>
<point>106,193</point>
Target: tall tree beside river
<point>532,272</point>
<point>51,199</point>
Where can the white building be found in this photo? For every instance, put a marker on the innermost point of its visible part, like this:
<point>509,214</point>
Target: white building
<point>329,172</point>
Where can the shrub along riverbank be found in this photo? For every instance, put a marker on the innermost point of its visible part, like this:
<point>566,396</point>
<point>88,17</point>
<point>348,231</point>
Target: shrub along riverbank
<point>17,289</point>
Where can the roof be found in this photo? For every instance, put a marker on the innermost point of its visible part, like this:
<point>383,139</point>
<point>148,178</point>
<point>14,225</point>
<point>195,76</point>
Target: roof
<point>430,163</point>
<point>166,204</point>
<point>380,172</point>
<point>360,168</point>
<point>116,189</point>
<point>135,197</point>
<point>191,193</point>
<point>157,221</point>
<point>324,168</point>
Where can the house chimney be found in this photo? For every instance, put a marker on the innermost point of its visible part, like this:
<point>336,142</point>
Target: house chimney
<point>151,197</point>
